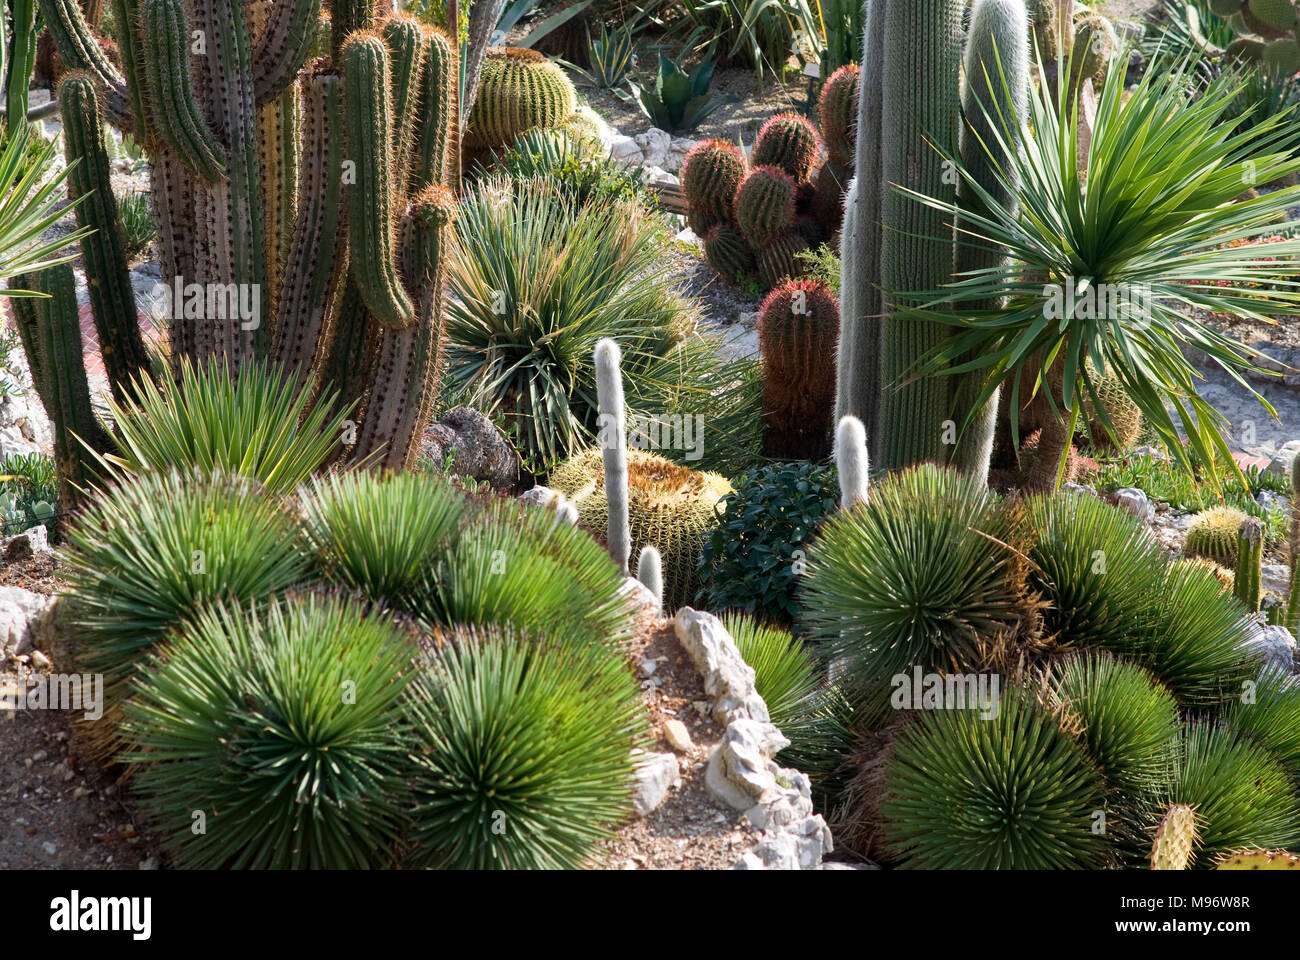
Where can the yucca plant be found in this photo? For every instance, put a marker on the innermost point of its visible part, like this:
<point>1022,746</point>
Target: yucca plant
<point>258,424</point>
<point>523,756</point>
<point>147,555</point>
<point>791,681</point>
<point>1011,792</point>
<point>31,200</point>
<point>1116,261</point>
<point>283,728</point>
<point>537,282</point>
<point>529,569</point>
<point>925,574</point>
<point>382,535</point>
<point>1270,716</point>
<point>1242,794</point>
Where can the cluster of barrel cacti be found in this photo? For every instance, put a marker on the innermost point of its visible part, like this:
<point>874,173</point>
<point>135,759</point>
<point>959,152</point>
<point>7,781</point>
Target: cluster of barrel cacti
<point>1088,39</point>
<point>756,215</point>
<point>1267,30</point>
<point>798,325</point>
<point>522,90</point>
<point>301,171</point>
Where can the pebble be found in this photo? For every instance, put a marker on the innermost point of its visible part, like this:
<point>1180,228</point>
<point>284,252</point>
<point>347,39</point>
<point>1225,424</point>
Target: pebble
<point>678,737</point>
<point>40,661</point>
<point>50,847</point>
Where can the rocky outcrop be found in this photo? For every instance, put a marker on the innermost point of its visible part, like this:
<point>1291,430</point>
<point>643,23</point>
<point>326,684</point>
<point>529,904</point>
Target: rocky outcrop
<point>478,449</point>
<point>742,772</point>
<point>26,621</point>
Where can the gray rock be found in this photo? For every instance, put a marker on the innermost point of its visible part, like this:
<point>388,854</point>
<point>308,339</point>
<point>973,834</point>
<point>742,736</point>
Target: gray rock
<point>678,737</point>
<point>27,544</point>
<point>1281,462</point>
<point>481,451</point>
<point>26,621</point>
<point>655,773</point>
<point>655,146</point>
<point>1136,502</point>
<point>624,149</point>
<point>728,680</point>
<point>1275,645</point>
<point>720,786</point>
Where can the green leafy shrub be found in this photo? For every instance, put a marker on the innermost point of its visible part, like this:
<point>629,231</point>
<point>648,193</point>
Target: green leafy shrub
<point>523,756</point>
<point>254,422</point>
<point>754,558</point>
<point>139,229</point>
<point>1242,794</point>
<point>1011,792</point>
<point>584,174</point>
<point>147,555</point>
<point>284,728</point>
<point>28,492</point>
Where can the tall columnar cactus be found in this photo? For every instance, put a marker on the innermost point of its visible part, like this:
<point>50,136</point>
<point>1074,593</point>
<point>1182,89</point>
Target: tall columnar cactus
<point>851,461</point>
<point>995,93</point>
<point>910,114</point>
<point>613,449</point>
<point>1250,552</point>
<point>22,53</point>
<point>788,141</point>
<point>1293,597</point>
<point>313,196</point>
<point>798,324</point>
<point>60,380</point>
<point>112,297</point>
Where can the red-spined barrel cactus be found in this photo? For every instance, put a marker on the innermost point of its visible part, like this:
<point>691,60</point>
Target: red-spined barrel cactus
<point>711,175</point>
<point>790,142</point>
<point>765,204</point>
<point>776,259</point>
<point>837,108</point>
<point>798,326</point>
<point>728,253</point>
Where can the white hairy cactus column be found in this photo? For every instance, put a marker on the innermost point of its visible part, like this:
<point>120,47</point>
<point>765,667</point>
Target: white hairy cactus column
<point>613,448</point>
<point>851,460</point>
<point>649,570</point>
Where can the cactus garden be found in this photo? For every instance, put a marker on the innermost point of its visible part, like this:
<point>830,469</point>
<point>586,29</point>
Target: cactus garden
<point>621,435</point>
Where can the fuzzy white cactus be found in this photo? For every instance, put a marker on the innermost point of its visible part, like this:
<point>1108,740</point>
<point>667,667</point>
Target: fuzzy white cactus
<point>649,570</point>
<point>613,448</point>
<point>851,460</point>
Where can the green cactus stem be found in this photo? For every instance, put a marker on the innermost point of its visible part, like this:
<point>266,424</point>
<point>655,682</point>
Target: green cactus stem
<point>711,175</point>
<point>518,90</point>
<point>406,50</point>
<point>728,253</point>
<point>1250,551</point>
<point>788,141</point>
<point>283,46</point>
<point>436,135</point>
<point>837,108</point>
<point>765,205</point>
<point>79,51</point>
<point>798,324</point>
<point>173,110</point>
<point>112,297</point>
<point>371,213</point>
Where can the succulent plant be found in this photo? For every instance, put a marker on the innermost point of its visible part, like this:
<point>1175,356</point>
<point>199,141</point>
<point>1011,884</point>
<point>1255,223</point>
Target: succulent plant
<point>1114,420</point>
<point>1213,534</point>
<point>1175,839</point>
<point>765,205</point>
<point>710,176</point>
<point>519,90</point>
<point>670,508</point>
<point>1259,860</point>
<point>837,110</point>
<point>1250,552</point>
<point>789,142</point>
<point>798,325</point>
<point>778,259</point>
<point>1095,44</point>
<point>727,252</point>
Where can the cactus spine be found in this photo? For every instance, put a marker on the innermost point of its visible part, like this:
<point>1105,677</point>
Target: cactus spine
<point>995,92</point>
<point>1250,551</point>
<point>787,141</point>
<point>111,295</point>
<point>613,449</point>
<point>851,461</point>
<point>649,570</point>
<point>798,324</point>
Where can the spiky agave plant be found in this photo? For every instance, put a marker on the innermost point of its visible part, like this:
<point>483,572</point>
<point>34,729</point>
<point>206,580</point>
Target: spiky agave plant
<point>925,574</point>
<point>1096,566</point>
<point>1242,794</point>
<point>382,535</point>
<point>1270,716</point>
<point>534,571</point>
<point>283,727</point>
<point>256,423</point>
<point>147,555</point>
<point>799,699</point>
<point>523,756</point>
<point>1011,792</point>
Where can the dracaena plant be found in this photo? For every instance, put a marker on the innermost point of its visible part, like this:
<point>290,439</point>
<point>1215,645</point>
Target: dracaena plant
<point>1116,259</point>
<point>679,101</point>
